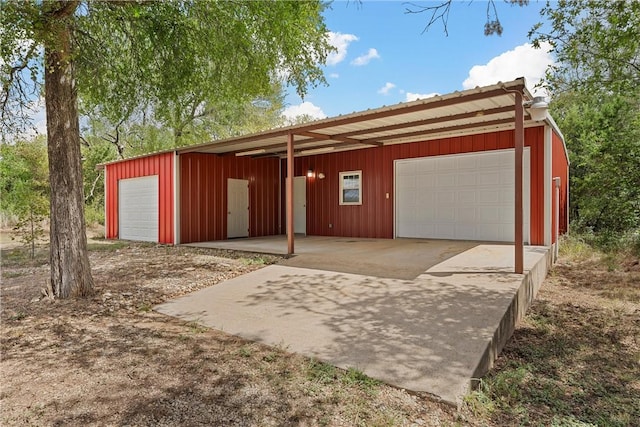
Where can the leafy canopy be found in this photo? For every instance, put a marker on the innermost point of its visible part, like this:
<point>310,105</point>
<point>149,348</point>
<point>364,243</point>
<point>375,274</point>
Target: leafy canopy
<point>24,184</point>
<point>596,81</point>
<point>596,43</point>
<point>603,136</point>
<point>140,56</point>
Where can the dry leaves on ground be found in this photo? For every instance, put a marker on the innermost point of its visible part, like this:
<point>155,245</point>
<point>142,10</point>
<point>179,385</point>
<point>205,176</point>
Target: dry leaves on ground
<point>112,360</point>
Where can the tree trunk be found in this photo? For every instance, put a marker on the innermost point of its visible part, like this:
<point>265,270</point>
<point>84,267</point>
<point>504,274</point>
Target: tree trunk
<point>33,233</point>
<point>70,270</point>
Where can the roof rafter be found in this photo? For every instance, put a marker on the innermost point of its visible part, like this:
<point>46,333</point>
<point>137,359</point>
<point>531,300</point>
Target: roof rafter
<point>430,121</point>
<point>324,137</point>
<point>446,129</point>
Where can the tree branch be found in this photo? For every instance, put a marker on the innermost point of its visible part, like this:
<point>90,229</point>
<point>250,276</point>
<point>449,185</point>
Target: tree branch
<point>14,79</point>
<point>93,187</point>
<point>64,9</point>
<point>440,12</point>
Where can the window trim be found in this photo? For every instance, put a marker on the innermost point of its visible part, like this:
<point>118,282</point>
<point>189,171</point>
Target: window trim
<point>344,174</point>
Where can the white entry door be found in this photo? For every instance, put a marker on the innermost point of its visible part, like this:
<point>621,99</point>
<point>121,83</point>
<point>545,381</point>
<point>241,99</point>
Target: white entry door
<point>464,196</point>
<point>300,205</point>
<point>138,212</point>
<point>237,208</point>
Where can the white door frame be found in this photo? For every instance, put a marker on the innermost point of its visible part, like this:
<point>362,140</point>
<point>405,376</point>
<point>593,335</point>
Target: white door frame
<point>237,208</point>
<point>300,204</point>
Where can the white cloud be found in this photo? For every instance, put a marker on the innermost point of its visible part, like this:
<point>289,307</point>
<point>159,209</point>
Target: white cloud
<point>366,58</point>
<point>414,96</point>
<point>334,75</point>
<point>40,122</point>
<point>523,61</point>
<point>304,109</point>
<point>384,90</point>
<point>341,43</point>
<point>38,116</point>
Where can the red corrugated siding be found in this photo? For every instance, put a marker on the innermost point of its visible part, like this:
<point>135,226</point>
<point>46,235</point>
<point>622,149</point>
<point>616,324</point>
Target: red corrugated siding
<point>161,165</point>
<point>559,168</point>
<point>203,195</point>
<point>374,218</point>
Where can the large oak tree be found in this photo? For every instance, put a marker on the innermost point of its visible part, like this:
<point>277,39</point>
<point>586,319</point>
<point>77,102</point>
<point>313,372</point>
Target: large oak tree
<point>117,56</point>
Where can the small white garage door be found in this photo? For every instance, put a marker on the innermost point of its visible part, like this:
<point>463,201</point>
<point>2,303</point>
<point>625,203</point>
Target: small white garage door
<point>464,196</point>
<point>138,209</point>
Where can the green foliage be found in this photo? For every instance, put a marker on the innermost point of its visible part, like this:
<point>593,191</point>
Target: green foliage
<point>179,60</point>
<point>356,377</point>
<point>25,187</point>
<point>145,133</point>
<point>596,42</point>
<point>170,62</point>
<point>19,51</point>
<point>95,151</point>
<point>574,247</point>
<point>603,138</point>
<point>23,170</point>
<point>596,82</point>
<point>321,372</point>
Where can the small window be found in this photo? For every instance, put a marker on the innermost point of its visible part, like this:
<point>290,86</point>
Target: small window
<point>351,188</point>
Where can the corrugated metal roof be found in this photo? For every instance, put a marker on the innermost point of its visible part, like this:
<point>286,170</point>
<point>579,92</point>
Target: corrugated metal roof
<point>478,110</point>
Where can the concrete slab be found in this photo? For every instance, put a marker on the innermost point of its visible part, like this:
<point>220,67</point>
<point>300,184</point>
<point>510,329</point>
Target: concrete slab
<point>433,334</point>
<point>390,258</point>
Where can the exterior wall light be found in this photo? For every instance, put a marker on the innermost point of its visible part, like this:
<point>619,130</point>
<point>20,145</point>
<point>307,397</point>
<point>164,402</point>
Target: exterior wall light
<point>538,108</point>
<point>310,173</point>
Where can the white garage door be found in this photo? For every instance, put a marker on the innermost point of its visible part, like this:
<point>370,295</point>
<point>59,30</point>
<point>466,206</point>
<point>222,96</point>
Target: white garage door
<point>138,208</point>
<point>463,196</point>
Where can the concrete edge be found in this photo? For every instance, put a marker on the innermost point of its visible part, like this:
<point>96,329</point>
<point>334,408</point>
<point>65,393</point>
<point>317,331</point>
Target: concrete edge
<point>516,311</point>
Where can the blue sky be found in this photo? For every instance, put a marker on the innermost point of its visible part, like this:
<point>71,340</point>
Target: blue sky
<point>385,58</point>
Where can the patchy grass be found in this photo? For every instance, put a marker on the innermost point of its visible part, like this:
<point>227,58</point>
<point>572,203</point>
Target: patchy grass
<point>575,359</point>
<point>112,245</point>
<point>111,360</point>
<point>356,377</point>
<point>322,373</point>
<point>20,257</point>
<point>196,328</point>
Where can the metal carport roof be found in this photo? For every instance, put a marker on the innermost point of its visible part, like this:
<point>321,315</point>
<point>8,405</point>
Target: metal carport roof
<point>478,110</point>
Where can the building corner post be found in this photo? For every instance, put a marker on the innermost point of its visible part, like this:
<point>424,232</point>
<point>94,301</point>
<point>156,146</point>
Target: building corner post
<point>289,200</point>
<point>519,151</point>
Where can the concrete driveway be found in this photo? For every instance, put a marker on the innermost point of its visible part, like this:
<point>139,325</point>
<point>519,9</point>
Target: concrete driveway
<point>389,258</point>
<point>433,333</point>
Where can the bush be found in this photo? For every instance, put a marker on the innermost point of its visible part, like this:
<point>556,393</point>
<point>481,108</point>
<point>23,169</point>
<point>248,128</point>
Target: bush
<point>581,245</point>
<point>94,214</point>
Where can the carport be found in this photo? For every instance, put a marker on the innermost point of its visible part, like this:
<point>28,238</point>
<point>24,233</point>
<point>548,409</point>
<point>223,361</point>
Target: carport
<point>453,166</point>
<point>480,110</point>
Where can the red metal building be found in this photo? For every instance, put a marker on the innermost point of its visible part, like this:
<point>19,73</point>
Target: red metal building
<point>443,167</point>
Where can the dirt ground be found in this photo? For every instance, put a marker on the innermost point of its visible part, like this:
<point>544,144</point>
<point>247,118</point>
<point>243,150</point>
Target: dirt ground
<point>111,360</point>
